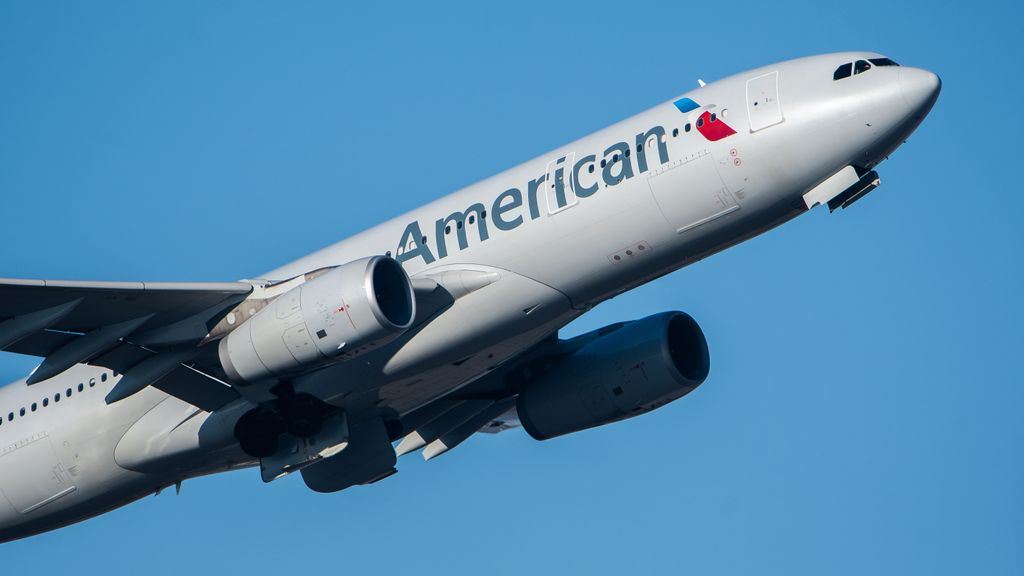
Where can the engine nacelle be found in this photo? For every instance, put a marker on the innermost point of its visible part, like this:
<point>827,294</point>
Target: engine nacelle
<point>635,369</point>
<point>337,315</point>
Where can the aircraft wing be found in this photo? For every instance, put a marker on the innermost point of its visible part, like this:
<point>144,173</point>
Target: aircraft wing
<point>507,421</point>
<point>487,405</point>
<point>119,325</point>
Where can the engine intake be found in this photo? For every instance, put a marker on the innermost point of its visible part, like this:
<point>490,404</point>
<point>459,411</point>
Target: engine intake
<point>639,367</point>
<point>336,316</point>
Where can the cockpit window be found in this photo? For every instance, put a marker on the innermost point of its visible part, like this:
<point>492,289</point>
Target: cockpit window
<point>843,71</point>
<point>882,62</point>
<point>846,70</point>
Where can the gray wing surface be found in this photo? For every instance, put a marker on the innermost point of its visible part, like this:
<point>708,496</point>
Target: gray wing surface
<point>119,325</point>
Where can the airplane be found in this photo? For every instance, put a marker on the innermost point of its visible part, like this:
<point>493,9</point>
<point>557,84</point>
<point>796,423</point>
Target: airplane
<point>443,322</point>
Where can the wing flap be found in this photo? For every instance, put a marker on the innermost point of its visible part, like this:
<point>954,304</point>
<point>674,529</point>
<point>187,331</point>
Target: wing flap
<point>196,388</point>
<point>23,325</point>
<point>41,343</point>
<point>461,433</point>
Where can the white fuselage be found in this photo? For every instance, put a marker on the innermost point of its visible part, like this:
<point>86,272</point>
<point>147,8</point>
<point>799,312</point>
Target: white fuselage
<point>562,232</point>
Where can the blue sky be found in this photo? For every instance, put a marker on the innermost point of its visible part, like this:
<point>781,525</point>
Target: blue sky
<point>863,414</point>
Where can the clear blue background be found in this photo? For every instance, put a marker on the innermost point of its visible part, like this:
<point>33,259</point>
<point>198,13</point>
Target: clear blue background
<point>863,414</point>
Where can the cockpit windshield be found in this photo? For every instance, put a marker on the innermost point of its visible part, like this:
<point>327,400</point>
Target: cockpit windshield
<point>882,62</point>
<point>843,71</point>
<point>860,66</point>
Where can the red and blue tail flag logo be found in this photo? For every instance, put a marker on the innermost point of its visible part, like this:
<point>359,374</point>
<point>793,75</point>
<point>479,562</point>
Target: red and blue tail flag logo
<point>709,125</point>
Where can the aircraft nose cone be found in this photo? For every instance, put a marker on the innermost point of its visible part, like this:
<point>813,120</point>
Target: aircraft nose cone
<point>920,89</point>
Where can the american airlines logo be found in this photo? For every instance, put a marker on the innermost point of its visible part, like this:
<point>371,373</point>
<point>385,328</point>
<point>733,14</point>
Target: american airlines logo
<point>570,177</point>
<point>708,124</point>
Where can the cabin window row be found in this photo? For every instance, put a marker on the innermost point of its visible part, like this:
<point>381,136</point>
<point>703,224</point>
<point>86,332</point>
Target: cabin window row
<point>45,402</point>
<point>675,133</point>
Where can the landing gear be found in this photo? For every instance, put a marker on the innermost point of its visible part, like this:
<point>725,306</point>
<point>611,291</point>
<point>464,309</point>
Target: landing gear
<point>301,415</point>
<point>258,432</point>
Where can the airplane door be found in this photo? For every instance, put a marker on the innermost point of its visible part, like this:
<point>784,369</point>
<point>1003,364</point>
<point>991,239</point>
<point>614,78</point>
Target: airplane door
<point>559,189</point>
<point>763,105</point>
<point>691,192</point>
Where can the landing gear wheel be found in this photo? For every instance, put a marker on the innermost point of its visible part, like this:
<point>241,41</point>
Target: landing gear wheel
<point>258,432</point>
<point>303,418</point>
<point>303,427</point>
<point>259,446</point>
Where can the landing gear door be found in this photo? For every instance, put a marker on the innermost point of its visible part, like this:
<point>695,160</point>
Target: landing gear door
<point>763,104</point>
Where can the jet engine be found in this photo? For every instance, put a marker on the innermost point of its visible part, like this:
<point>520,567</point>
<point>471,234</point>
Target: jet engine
<point>639,367</point>
<point>335,316</point>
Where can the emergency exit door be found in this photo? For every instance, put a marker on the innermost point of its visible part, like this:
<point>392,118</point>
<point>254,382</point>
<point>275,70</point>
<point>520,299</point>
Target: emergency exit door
<point>763,104</point>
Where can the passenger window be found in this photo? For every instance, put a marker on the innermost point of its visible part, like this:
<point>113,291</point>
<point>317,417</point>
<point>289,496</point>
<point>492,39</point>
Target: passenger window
<point>882,62</point>
<point>10,416</point>
<point>861,66</point>
<point>686,128</point>
<point>843,71</point>
<point>103,377</point>
<point>46,402</point>
<point>81,386</point>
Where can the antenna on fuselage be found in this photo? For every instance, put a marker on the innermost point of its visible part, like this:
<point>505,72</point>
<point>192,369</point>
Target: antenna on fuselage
<point>701,82</point>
